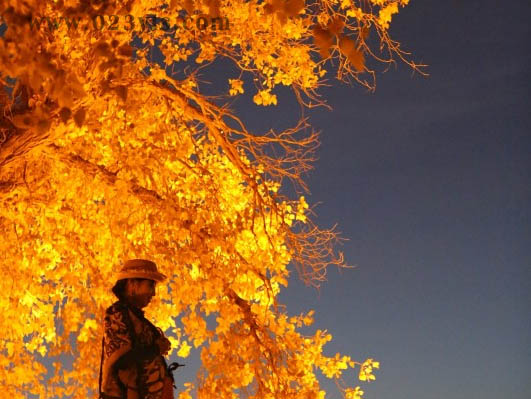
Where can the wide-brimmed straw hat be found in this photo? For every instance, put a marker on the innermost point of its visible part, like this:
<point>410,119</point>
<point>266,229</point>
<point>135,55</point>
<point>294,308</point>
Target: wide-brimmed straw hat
<point>140,268</point>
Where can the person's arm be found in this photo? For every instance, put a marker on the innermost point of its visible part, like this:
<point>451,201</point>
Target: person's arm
<point>118,340</point>
<point>136,354</point>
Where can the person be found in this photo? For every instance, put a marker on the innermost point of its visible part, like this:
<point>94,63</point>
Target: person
<point>133,349</point>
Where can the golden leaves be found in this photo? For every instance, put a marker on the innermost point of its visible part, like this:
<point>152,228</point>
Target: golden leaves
<point>236,87</point>
<point>336,25</point>
<point>386,13</point>
<point>284,8</point>
<point>154,169</point>
<point>10,348</point>
<point>366,370</point>
<point>125,50</point>
<point>23,121</point>
<point>35,120</point>
<point>294,7</point>
<point>189,6</point>
<point>353,54</point>
<point>184,349</point>
<point>195,327</point>
<point>346,45</point>
<point>353,393</point>
<point>213,8</point>
<point>86,331</point>
<point>65,114</point>
<point>79,117</point>
<point>323,38</point>
<point>28,299</point>
<point>264,97</point>
<point>121,91</point>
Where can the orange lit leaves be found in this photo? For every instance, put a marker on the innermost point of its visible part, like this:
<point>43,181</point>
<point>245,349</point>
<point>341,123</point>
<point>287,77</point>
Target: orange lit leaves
<point>324,38</point>
<point>353,54</point>
<point>125,165</point>
<point>284,8</point>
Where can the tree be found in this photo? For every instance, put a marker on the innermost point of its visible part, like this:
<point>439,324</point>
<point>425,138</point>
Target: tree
<point>105,156</point>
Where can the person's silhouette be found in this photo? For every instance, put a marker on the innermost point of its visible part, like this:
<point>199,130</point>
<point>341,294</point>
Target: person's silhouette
<point>133,349</point>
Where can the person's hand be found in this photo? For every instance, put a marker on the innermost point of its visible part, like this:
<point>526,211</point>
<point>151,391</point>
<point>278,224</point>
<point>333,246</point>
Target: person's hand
<point>164,345</point>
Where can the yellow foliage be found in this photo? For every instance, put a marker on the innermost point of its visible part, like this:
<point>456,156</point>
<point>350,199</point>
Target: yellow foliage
<point>101,161</point>
<point>353,393</point>
<point>385,14</point>
<point>365,373</point>
<point>184,350</point>
<point>264,97</point>
<point>235,86</point>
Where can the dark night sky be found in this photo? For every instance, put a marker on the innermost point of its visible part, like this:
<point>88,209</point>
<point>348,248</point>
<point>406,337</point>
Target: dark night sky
<point>429,179</point>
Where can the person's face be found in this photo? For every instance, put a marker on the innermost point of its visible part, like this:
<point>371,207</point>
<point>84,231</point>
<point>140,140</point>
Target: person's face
<point>140,291</point>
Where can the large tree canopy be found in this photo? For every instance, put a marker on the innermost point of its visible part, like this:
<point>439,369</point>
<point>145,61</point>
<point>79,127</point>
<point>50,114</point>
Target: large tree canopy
<point>104,156</point>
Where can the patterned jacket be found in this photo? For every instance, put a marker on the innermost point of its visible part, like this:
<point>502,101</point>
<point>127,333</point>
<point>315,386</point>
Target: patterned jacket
<point>133,367</point>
